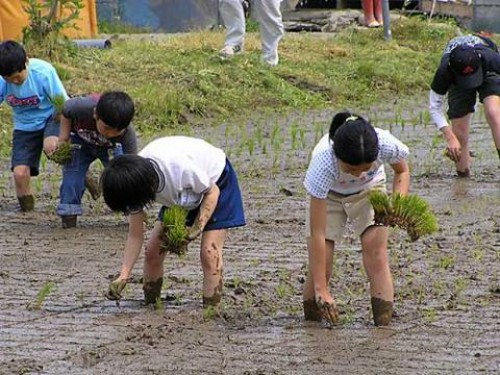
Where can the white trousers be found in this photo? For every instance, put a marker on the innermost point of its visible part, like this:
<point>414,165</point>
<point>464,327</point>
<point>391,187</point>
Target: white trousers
<point>268,15</point>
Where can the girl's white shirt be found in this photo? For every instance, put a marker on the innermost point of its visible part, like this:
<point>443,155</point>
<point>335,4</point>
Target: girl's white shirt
<point>189,167</point>
<point>324,173</point>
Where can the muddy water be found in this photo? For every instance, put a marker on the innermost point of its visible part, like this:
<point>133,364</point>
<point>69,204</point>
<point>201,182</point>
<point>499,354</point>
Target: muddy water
<point>447,286</point>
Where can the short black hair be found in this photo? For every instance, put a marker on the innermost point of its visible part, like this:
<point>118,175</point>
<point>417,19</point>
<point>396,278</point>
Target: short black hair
<point>116,109</point>
<point>12,58</point>
<point>129,183</point>
<point>355,140</point>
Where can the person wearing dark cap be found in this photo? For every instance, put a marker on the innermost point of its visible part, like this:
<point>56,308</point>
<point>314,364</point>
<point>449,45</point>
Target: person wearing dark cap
<point>470,66</point>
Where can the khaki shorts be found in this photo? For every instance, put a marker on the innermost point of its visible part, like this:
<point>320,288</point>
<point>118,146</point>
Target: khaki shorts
<point>355,207</point>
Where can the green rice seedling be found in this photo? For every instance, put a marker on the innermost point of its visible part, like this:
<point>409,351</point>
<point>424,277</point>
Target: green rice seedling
<point>175,230</point>
<point>42,295</point>
<point>62,154</point>
<point>58,102</point>
<point>408,212</point>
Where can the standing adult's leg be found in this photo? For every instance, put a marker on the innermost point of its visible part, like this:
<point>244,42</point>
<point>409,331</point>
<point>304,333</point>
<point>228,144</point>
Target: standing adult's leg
<point>268,15</point>
<point>492,114</point>
<point>369,15</point>
<point>212,243</point>
<point>460,127</point>
<point>233,16</point>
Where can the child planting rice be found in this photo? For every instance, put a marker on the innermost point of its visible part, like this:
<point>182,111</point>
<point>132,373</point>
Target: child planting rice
<point>176,172</point>
<point>346,166</point>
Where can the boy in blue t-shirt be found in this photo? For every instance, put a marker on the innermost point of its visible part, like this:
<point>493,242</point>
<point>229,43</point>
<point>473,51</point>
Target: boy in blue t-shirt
<point>30,87</point>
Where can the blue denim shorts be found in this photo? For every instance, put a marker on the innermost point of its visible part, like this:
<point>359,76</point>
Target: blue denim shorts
<point>27,146</point>
<point>229,211</point>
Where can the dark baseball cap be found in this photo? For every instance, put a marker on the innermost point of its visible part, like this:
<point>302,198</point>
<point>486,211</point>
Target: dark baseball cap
<point>465,62</point>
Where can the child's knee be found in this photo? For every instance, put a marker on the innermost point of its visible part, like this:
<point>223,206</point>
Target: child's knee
<point>21,172</point>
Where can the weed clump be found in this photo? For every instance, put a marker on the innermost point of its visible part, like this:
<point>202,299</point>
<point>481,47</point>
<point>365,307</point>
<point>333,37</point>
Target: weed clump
<point>175,230</point>
<point>408,212</point>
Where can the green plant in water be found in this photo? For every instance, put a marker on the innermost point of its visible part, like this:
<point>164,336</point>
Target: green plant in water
<point>42,295</point>
<point>408,212</point>
<point>175,230</point>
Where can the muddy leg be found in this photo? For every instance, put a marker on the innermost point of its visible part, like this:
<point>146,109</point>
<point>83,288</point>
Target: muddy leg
<point>311,311</point>
<point>212,242</point>
<point>382,311</point>
<point>26,202</point>
<point>152,290</point>
<point>153,266</point>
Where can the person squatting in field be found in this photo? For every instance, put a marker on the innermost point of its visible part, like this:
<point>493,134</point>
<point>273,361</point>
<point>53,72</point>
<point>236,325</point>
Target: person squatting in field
<point>470,65</point>
<point>98,127</point>
<point>346,165</point>
<point>30,86</point>
<point>174,171</point>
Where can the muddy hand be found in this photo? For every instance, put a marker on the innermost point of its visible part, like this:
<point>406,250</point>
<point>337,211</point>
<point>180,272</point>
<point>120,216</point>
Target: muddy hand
<point>194,231</point>
<point>115,289</point>
<point>328,311</point>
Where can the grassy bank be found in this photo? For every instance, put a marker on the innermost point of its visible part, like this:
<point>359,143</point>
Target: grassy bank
<point>179,79</point>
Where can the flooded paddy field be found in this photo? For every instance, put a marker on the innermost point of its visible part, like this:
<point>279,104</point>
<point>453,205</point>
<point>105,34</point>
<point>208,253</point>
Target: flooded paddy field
<point>54,318</point>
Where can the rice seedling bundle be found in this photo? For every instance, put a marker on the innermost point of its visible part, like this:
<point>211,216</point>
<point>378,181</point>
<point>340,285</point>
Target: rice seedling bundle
<point>62,154</point>
<point>408,212</point>
<point>175,230</point>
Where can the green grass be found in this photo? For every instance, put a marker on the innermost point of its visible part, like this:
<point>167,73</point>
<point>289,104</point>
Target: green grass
<point>178,80</point>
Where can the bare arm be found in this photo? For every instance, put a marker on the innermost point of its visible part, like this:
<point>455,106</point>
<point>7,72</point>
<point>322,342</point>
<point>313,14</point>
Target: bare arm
<point>133,246</point>
<point>207,208</point>
<point>317,249</point>
<point>65,129</point>
<point>401,183</point>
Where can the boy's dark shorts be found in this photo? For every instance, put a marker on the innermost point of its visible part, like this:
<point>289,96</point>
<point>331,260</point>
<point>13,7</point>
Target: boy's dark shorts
<point>462,102</point>
<point>27,146</point>
<point>229,211</point>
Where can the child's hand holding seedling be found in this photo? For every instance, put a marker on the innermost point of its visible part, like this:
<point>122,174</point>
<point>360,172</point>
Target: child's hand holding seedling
<point>62,153</point>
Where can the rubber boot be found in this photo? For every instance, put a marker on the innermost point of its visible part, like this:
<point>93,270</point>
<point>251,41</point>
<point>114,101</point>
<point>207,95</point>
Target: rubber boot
<point>152,290</point>
<point>382,311</point>
<point>27,203</point>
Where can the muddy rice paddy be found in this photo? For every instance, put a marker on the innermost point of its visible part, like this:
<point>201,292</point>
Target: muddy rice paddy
<point>55,320</point>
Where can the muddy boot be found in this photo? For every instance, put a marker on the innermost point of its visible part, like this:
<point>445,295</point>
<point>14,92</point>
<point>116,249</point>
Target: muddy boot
<point>92,185</point>
<point>464,174</point>
<point>27,203</point>
<point>69,221</point>
<point>152,291</point>
<point>311,311</point>
<point>382,311</point>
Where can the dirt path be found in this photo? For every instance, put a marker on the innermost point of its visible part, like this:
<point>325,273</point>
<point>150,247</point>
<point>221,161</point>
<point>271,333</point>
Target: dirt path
<point>448,289</point>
